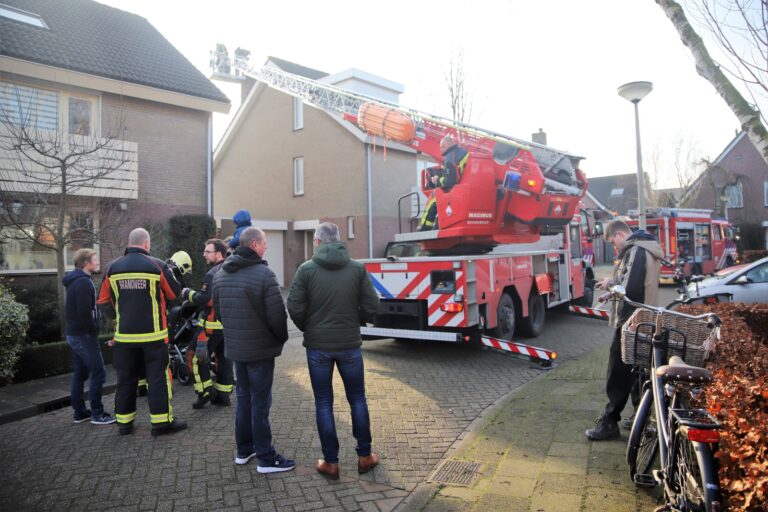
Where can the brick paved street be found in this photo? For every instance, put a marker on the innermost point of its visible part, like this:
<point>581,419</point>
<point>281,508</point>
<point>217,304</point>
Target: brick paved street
<point>422,399</point>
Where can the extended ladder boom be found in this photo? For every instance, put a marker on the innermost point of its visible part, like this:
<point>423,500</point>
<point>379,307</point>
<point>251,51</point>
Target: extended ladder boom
<point>346,103</point>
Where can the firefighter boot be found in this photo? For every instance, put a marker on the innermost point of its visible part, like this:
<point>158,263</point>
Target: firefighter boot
<point>202,399</point>
<point>221,399</point>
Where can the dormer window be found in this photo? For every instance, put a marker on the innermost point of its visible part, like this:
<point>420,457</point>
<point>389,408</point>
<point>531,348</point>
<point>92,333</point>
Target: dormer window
<point>30,18</point>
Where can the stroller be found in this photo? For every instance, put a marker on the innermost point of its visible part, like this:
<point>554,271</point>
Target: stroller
<point>183,327</point>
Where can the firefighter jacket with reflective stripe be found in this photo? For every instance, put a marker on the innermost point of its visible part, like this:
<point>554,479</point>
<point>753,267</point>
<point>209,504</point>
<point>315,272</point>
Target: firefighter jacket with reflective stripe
<point>204,299</point>
<point>455,159</point>
<point>135,289</point>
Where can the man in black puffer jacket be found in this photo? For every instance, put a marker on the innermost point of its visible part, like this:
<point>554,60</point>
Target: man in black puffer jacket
<point>330,295</point>
<point>246,298</point>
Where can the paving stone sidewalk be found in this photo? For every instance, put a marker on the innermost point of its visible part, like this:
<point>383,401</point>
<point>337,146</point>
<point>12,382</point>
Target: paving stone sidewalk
<point>533,455</point>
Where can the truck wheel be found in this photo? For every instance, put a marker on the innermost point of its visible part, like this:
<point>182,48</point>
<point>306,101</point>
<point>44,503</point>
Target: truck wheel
<point>505,318</point>
<point>532,325</point>
<point>587,299</point>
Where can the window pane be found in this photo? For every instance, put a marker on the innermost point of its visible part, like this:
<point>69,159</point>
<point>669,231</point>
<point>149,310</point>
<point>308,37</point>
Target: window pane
<point>29,107</point>
<point>79,117</point>
<point>18,252</point>
<point>298,176</point>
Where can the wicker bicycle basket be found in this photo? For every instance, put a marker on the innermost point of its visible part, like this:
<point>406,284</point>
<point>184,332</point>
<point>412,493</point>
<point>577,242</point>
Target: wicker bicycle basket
<point>687,338</point>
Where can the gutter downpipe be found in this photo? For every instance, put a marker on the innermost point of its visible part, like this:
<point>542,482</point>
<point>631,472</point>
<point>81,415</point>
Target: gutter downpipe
<point>209,157</point>
<point>370,194</point>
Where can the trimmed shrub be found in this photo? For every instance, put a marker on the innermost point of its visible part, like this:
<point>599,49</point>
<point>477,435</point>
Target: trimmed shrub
<point>39,295</point>
<point>189,233</point>
<point>39,361</point>
<point>14,321</point>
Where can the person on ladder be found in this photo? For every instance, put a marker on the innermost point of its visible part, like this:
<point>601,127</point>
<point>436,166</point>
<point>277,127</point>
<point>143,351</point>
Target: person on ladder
<point>446,176</point>
<point>211,339</point>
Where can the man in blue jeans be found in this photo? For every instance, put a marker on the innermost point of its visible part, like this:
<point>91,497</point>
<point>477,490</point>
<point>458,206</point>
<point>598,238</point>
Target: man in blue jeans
<point>330,295</point>
<point>246,297</point>
<point>82,331</point>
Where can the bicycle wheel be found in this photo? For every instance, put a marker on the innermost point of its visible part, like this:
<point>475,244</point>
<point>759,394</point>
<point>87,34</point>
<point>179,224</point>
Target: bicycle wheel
<point>694,476</point>
<point>643,444</point>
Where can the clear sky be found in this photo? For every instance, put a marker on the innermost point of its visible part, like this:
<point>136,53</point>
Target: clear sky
<point>551,64</point>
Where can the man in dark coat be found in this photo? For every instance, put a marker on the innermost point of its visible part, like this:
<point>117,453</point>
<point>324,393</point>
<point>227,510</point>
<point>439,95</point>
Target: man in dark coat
<point>247,299</point>
<point>82,335</point>
<point>638,271</point>
<point>330,295</point>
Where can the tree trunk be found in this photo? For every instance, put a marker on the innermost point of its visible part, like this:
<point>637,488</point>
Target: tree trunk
<point>60,289</point>
<point>707,68</point>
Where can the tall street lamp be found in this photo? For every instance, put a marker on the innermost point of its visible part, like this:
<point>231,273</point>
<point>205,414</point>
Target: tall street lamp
<point>634,92</point>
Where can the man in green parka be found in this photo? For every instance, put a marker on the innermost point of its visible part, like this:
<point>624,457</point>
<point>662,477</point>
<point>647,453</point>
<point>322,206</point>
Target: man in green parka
<point>331,294</point>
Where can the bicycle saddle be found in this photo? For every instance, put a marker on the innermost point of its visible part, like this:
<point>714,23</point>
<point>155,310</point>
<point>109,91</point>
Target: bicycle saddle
<point>677,371</point>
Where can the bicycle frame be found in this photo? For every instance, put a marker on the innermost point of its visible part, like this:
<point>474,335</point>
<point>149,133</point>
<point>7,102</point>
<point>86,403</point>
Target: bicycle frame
<point>673,415</point>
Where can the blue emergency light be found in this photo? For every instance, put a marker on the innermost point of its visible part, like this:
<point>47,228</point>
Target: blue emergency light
<point>512,181</point>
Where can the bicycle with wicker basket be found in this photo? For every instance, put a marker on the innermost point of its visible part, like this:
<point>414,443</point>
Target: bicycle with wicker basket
<point>672,347</point>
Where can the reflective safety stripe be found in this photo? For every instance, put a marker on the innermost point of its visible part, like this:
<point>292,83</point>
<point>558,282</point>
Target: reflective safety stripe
<point>191,295</point>
<point>143,382</point>
<point>424,221</point>
<point>213,325</point>
<point>160,418</point>
<point>125,418</point>
<point>136,338</point>
<point>168,416</point>
<point>224,388</point>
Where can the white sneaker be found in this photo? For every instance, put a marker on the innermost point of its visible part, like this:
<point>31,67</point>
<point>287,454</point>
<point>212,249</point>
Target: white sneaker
<point>244,460</point>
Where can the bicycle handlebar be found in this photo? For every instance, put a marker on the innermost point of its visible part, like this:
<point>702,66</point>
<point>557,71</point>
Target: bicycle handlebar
<point>619,292</point>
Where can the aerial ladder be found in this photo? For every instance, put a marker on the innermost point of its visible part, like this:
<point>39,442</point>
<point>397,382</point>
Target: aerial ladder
<point>509,189</point>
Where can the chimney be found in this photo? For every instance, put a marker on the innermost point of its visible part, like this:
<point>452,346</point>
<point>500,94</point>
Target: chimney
<point>539,138</point>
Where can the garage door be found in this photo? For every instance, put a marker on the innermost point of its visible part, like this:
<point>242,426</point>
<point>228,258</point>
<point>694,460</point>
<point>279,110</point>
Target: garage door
<point>274,254</point>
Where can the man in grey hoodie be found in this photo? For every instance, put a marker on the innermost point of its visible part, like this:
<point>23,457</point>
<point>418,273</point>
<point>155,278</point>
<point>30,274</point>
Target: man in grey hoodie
<point>638,271</point>
<point>330,295</point>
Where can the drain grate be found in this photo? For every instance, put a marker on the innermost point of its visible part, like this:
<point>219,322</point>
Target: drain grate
<point>455,472</point>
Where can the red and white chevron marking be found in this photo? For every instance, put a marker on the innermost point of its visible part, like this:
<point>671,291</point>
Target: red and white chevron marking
<point>597,313</point>
<point>519,348</point>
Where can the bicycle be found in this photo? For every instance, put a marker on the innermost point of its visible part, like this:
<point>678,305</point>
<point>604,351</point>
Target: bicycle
<point>685,439</point>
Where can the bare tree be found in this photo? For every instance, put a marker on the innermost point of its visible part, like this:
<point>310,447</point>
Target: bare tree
<point>455,79</point>
<point>676,168</point>
<point>741,30</point>
<point>59,190</point>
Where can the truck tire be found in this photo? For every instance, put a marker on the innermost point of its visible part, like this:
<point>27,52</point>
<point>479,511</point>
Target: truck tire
<point>532,325</point>
<point>588,297</point>
<point>505,318</point>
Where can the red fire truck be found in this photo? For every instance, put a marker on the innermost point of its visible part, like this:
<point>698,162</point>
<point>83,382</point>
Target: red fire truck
<point>705,244</point>
<point>509,244</point>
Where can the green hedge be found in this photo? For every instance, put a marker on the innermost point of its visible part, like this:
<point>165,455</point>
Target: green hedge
<point>39,361</point>
<point>40,296</point>
<point>14,321</point>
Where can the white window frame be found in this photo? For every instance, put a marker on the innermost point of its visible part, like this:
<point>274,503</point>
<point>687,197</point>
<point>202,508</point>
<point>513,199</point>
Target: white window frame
<point>740,194</point>
<point>62,98</point>
<point>30,18</point>
<point>298,176</point>
<point>350,228</point>
<point>765,193</point>
<point>298,113</point>
<point>69,253</point>
<point>618,191</point>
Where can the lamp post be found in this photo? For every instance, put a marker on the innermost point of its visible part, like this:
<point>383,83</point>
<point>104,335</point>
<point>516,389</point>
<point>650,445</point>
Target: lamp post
<point>634,92</point>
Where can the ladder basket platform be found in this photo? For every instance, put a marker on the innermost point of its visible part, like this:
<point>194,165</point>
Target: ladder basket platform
<point>692,340</point>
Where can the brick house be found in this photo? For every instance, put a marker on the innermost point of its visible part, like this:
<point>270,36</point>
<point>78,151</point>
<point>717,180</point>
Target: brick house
<point>85,70</point>
<point>736,187</point>
<point>293,167</point>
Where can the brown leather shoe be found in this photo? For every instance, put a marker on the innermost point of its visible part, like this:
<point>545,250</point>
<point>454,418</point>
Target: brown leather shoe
<point>365,464</point>
<point>329,470</point>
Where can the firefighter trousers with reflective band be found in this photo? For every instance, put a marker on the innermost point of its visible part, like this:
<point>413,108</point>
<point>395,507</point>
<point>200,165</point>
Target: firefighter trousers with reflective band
<point>223,367</point>
<point>429,217</point>
<point>128,360</point>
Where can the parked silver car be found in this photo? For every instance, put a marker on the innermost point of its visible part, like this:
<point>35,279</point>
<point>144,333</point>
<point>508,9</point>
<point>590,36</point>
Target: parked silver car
<point>747,284</point>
